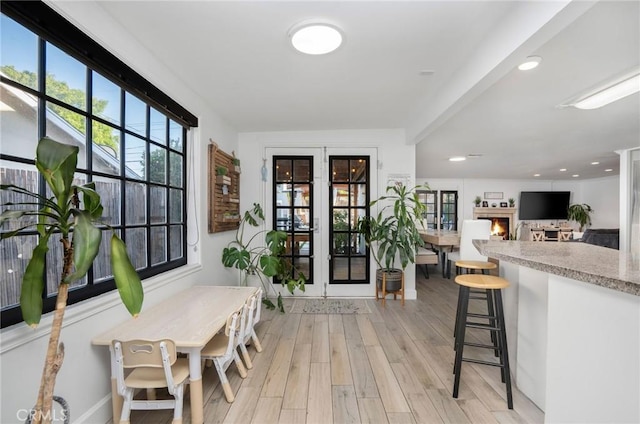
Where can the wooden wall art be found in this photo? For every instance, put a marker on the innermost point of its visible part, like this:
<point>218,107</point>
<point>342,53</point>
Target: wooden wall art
<point>224,190</point>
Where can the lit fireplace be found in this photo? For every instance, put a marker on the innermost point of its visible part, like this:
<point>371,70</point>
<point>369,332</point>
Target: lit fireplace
<point>502,220</point>
<point>499,227</point>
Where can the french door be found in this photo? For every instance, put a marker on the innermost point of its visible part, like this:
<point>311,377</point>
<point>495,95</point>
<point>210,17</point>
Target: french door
<point>317,196</point>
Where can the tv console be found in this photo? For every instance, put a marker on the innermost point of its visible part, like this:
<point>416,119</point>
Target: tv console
<point>551,233</point>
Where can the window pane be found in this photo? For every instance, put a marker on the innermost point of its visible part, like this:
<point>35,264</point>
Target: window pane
<point>176,136</point>
<point>136,204</point>
<point>358,194</point>
<point>340,269</point>
<point>340,170</point>
<point>158,205</point>
<point>158,164</point>
<point>158,127</point>
<point>22,175</point>
<point>358,269</point>
<point>106,149</point>
<point>283,170</point>
<point>68,127</point>
<point>134,157</point>
<point>105,99</point>
<point>301,170</point>
<point>283,194</point>
<point>175,207</point>
<point>18,115</point>
<point>135,117</point>
<point>66,78</point>
<point>158,245</point>
<point>136,241</point>
<point>175,170</point>
<point>175,249</point>
<point>109,191</point>
<point>102,263</point>
<point>340,194</point>
<point>19,58</point>
<point>54,270</point>
<point>358,170</point>
<point>15,253</point>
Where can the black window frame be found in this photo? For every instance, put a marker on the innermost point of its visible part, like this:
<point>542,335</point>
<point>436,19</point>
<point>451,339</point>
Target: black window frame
<point>52,28</point>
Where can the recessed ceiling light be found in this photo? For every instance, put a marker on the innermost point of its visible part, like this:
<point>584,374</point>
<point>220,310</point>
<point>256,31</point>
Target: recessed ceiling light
<point>595,163</point>
<point>536,175</point>
<point>457,159</point>
<point>313,37</point>
<point>575,175</point>
<point>608,170</point>
<point>563,169</point>
<point>530,63</point>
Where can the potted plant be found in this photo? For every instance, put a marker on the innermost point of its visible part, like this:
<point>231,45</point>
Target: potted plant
<point>580,213</point>
<point>393,233</point>
<point>512,202</point>
<point>477,201</point>
<point>263,260</point>
<point>80,235</point>
<point>236,164</point>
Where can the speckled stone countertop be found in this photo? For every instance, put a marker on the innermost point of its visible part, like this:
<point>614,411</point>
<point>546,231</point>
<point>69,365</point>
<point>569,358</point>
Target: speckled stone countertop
<point>580,261</point>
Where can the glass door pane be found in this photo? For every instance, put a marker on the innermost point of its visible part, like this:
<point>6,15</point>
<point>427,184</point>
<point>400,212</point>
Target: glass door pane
<point>293,210</point>
<point>348,201</point>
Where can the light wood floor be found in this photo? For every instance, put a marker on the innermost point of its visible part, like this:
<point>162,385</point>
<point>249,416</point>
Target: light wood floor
<point>393,365</point>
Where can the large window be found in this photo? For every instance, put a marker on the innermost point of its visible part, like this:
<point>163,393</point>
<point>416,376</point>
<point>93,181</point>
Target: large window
<point>133,149</point>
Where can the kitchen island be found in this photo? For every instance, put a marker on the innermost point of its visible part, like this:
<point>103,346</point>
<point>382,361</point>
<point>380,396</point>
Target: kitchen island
<point>573,313</point>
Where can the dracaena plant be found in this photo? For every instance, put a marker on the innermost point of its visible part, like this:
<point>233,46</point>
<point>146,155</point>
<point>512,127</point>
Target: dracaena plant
<point>80,235</point>
<point>252,257</point>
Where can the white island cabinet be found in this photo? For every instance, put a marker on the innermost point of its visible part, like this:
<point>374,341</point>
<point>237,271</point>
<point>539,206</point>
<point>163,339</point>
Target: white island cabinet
<point>574,325</point>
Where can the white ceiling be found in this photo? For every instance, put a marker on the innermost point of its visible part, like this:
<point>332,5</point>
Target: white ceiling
<point>237,55</point>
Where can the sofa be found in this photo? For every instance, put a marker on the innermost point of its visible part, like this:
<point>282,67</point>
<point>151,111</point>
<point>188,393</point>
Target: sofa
<point>607,237</point>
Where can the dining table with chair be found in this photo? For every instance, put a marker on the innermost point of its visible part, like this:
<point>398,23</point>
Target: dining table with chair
<point>190,318</point>
<point>444,241</point>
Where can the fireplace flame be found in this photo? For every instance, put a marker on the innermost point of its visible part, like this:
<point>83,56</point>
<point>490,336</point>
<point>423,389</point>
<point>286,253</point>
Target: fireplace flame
<point>497,229</point>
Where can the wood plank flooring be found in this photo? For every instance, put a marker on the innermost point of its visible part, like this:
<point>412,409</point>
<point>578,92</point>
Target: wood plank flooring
<point>393,365</point>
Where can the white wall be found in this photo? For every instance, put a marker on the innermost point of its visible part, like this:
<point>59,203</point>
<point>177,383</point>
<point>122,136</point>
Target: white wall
<point>84,377</point>
<point>602,194</point>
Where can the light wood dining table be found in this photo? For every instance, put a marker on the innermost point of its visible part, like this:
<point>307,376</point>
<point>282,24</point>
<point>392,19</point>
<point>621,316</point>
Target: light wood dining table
<point>443,241</point>
<point>190,318</point>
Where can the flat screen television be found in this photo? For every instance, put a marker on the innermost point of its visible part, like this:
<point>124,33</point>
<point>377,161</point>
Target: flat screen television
<point>543,205</point>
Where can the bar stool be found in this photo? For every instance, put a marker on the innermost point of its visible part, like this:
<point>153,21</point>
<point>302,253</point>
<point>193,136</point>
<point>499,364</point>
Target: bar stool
<point>470,267</point>
<point>493,286</point>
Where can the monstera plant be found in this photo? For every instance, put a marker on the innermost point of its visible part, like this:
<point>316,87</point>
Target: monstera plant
<point>80,234</point>
<point>263,259</point>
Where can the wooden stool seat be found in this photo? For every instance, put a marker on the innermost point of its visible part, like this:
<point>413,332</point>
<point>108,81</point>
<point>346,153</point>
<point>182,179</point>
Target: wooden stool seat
<point>483,265</point>
<point>482,281</point>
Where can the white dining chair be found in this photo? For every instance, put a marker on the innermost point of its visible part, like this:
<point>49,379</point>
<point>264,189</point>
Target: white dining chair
<point>472,229</point>
<point>253,303</point>
<point>222,349</point>
<point>153,364</point>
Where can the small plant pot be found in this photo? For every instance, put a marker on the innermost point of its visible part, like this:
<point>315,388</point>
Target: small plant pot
<point>393,280</point>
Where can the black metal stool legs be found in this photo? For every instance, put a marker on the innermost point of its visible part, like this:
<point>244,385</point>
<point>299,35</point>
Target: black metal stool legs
<point>497,328</point>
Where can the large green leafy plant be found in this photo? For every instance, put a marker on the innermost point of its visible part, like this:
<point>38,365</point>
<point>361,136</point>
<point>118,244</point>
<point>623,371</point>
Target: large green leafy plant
<point>260,255</point>
<point>393,233</point>
<point>580,213</point>
<point>80,235</point>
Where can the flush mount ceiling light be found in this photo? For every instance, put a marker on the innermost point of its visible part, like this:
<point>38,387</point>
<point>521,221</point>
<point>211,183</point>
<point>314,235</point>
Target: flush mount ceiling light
<point>313,37</point>
<point>457,159</point>
<point>530,63</point>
